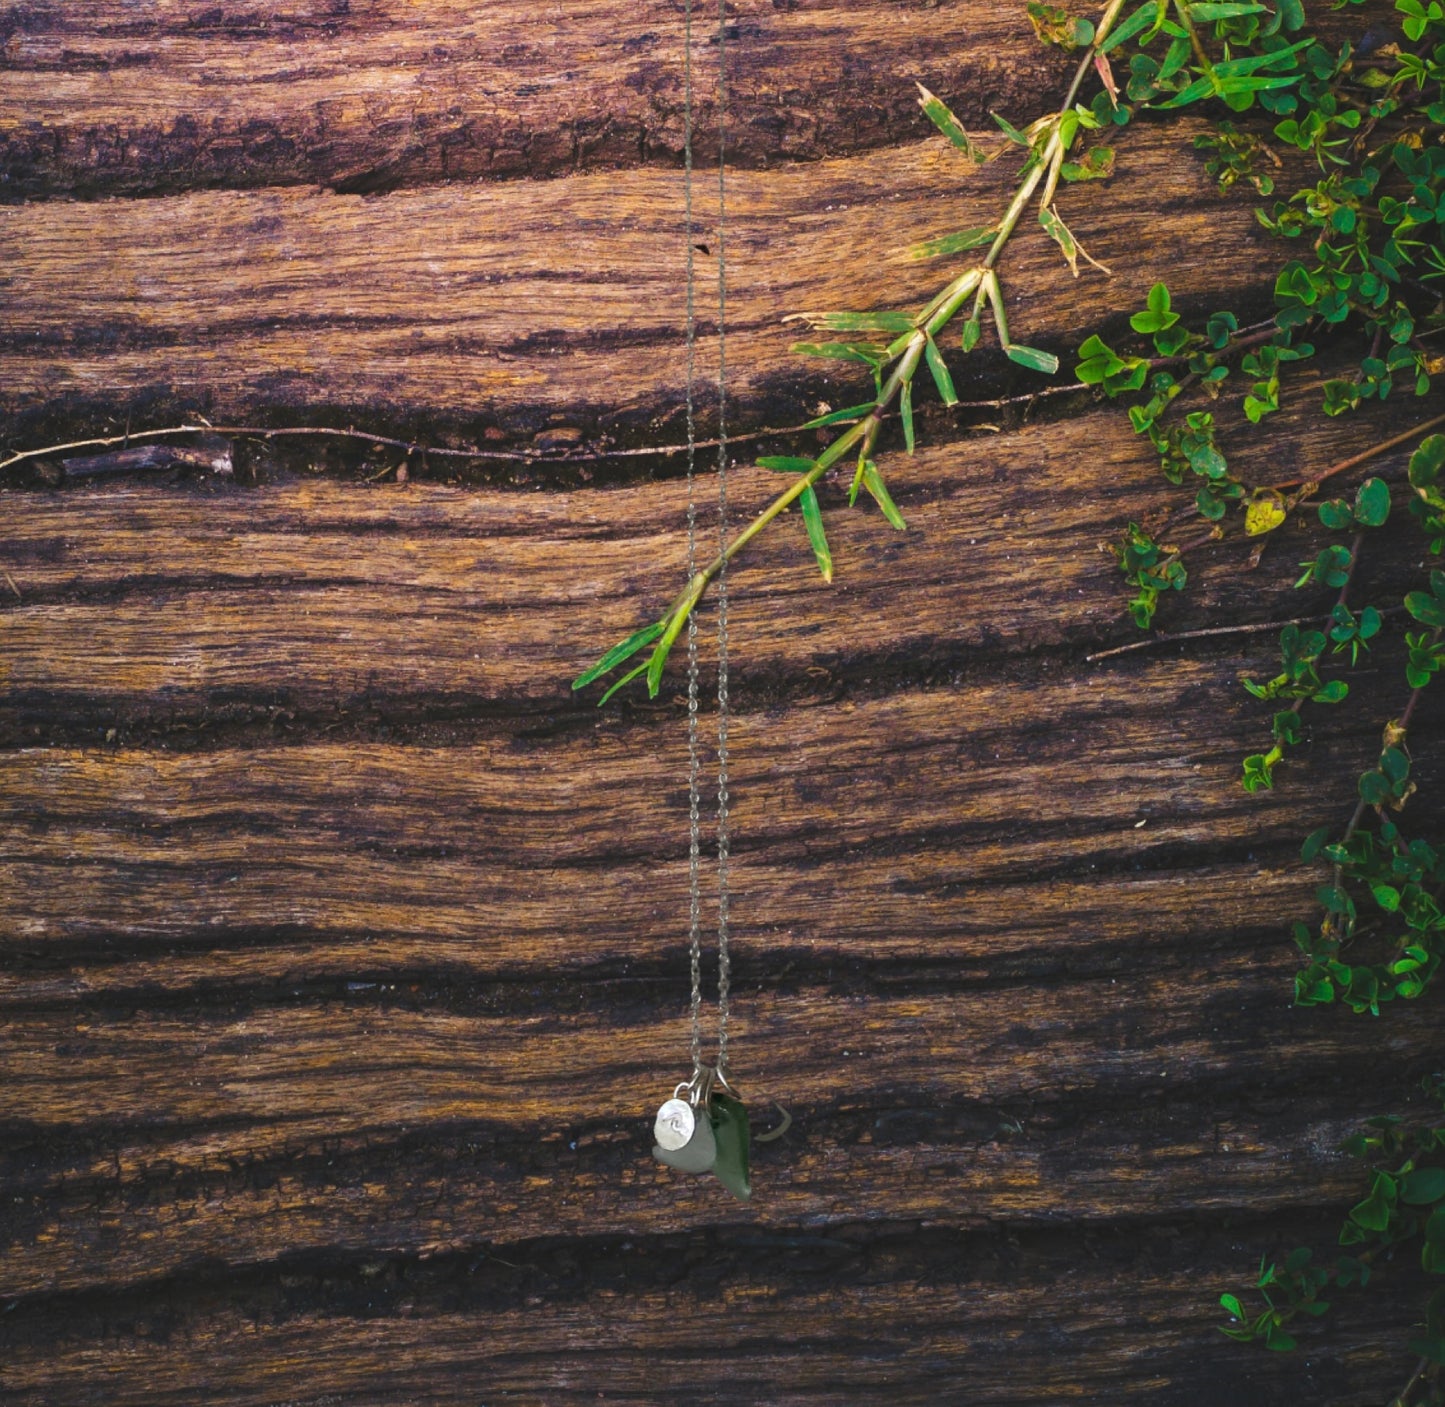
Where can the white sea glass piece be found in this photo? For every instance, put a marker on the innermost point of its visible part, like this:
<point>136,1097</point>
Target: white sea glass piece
<point>697,1155</point>
<point>674,1125</point>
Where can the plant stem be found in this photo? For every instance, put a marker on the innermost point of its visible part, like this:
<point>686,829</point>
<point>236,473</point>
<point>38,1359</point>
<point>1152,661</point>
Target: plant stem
<point>1364,456</point>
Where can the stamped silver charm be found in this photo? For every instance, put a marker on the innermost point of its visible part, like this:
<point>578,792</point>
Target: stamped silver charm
<point>698,1154</point>
<point>675,1125</point>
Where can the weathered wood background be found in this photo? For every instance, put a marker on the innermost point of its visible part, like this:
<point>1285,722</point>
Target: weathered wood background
<point>342,945</point>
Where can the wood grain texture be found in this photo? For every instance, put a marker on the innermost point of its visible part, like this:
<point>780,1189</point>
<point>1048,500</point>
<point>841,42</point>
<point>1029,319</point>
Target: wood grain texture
<point>342,947</point>
<point>143,602</point>
<point>517,306</point>
<point>800,1319</point>
<point>103,99</point>
<point>1009,939</point>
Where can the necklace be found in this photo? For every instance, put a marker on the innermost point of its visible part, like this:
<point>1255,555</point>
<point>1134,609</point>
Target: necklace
<point>703,1127</point>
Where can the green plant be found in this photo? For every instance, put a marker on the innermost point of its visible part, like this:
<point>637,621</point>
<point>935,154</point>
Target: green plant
<point>1403,1210</point>
<point>1201,60</point>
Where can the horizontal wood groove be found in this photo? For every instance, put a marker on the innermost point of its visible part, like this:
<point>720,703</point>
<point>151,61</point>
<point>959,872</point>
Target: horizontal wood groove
<point>483,308</point>
<point>947,1304</point>
<point>391,94</point>
<point>343,948</point>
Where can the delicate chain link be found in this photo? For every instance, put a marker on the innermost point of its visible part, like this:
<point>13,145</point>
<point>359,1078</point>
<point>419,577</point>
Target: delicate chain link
<point>694,866</point>
<point>694,846</point>
<point>724,965</point>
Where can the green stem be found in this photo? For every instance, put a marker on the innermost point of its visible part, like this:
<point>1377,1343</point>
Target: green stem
<point>1194,41</point>
<point>979,282</point>
<point>691,594</point>
<point>1050,157</point>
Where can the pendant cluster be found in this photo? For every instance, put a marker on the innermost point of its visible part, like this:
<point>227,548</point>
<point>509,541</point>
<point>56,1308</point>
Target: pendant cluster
<point>704,1128</point>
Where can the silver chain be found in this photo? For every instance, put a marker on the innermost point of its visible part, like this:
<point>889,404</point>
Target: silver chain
<point>724,965</point>
<point>694,848</point>
<point>694,868</point>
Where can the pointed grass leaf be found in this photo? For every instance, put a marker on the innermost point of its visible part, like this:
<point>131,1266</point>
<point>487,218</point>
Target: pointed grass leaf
<point>971,333</point>
<point>833,417</point>
<point>813,521</point>
<point>866,353</point>
<point>1201,88</point>
<point>1032,358</point>
<point>1068,242</point>
<point>953,243</point>
<point>729,1121</point>
<point>623,650</point>
<point>624,681</point>
<point>905,413</point>
<point>1058,231</point>
<point>1205,12</point>
<point>1151,13</point>
<point>873,482</point>
<point>786,463</point>
<point>1009,130</point>
<point>662,649</point>
<point>949,125</point>
<point>941,378</point>
<point>1235,68</point>
<point>883,320</point>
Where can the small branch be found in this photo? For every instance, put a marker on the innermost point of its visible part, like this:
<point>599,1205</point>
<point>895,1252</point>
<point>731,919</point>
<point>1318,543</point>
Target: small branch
<point>1355,459</point>
<point>1402,1398</point>
<point>1149,641</point>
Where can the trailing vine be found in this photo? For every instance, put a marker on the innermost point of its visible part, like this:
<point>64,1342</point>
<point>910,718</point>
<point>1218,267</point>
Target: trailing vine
<point>1364,267</point>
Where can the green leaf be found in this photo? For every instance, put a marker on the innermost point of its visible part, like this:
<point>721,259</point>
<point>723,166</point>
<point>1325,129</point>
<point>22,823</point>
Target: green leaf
<point>1232,1306</point>
<point>1373,1214</point>
<point>842,351</point>
<point>1335,514</point>
<point>730,1129</point>
<point>1233,68</point>
<point>949,125</point>
<point>619,652</point>
<point>1152,12</point>
<point>1387,897</point>
<point>873,482</point>
<point>787,463</point>
<point>1204,12</point>
<point>1423,1186</point>
<point>626,679</point>
<point>1032,358</point>
<point>941,378</point>
<point>884,320</point>
<point>952,243</point>
<point>1427,609</point>
<point>1156,315</point>
<point>813,521</point>
<point>1200,88</point>
<point>905,412</point>
<point>1095,165</point>
<point>1058,231</point>
<point>971,333</point>
<point>852,412</point>
<point>1372,503</point>
<point>1009,130</point>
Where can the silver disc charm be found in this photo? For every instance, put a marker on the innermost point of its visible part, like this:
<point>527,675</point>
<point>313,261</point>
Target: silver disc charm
<point>675,1125</point>
<point>697,1155</point>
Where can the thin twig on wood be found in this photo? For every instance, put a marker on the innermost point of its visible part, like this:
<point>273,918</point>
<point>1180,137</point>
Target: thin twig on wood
<point>1161,639</point>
